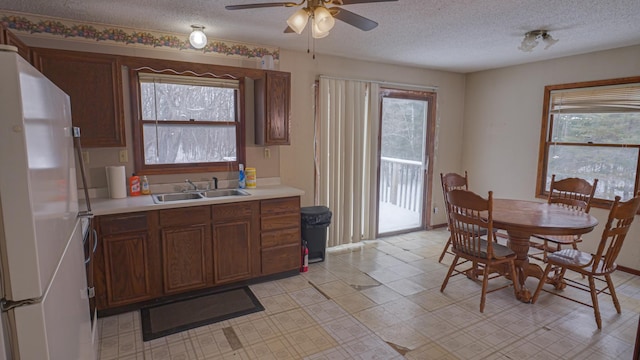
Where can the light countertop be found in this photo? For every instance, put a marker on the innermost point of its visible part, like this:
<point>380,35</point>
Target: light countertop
<point>107,206</point>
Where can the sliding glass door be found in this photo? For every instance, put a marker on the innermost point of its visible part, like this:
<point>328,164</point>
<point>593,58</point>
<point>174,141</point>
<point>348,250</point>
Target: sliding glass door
<point>404,160</point>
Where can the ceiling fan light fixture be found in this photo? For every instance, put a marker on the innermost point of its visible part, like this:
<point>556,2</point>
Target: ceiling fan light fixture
<point>316,33</point>
<point>298,20</point>
<point>323,19</point>
<point>197,38</point>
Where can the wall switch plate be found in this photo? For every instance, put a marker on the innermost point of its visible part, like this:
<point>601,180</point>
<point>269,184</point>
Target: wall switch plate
<point>267,153</point>
<point>124,156</point>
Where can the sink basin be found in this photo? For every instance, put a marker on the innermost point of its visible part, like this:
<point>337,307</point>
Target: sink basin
<point>224,192</point>
<point>208,194</point>
<point>162,198</point>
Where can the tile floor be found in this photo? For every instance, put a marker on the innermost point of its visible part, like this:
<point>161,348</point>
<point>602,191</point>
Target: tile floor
<point>381,300</point>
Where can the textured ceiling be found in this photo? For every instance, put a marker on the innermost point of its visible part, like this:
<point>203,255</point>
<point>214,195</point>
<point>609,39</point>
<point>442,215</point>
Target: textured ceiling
<point>456,35</point>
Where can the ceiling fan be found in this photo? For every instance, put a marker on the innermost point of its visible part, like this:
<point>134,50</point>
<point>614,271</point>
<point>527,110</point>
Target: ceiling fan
<point>322,16</point>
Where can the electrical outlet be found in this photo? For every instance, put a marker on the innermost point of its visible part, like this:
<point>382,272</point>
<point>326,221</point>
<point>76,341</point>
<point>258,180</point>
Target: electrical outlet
<point>85,157</point>
<point>267,153</point>
<point>124,156</point>
<point>435,209</point>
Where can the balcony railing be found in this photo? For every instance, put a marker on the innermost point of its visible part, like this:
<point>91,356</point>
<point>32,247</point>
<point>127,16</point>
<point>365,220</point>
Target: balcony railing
<point>401,183</point>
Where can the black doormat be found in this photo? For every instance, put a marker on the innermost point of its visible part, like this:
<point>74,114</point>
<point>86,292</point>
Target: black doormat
<point>185,314</point>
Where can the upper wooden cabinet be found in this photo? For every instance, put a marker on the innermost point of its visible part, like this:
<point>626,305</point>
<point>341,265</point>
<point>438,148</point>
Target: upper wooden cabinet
<point>272,110</point>
<point>94,84</point>
<point>9,38</point>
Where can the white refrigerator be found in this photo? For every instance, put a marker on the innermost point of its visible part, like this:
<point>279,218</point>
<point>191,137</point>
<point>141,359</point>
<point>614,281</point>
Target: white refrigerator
<point>45,300</point>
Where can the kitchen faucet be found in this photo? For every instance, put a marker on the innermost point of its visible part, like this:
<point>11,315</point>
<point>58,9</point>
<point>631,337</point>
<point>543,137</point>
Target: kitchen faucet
<point>215,183</point>
<point>195,187</point>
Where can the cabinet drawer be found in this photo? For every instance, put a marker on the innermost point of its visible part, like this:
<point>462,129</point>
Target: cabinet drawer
<point>282,205</point>
<point>280,237</point>
<point>234,210</point>
<point>275,260</point>
<point>117,224</point>
<point>280,222</point>
<point>186,215</point>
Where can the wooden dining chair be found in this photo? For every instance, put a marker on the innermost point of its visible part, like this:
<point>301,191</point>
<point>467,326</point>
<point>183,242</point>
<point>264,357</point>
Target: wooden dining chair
<point>468,213</point>
<point>597,265</point>
<point>573,193</point>
<point>449,182</point>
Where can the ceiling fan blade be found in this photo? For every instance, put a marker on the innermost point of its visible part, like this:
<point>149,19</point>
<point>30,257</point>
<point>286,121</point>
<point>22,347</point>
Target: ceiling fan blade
<point>354,19</point>
<point>351,2</point>
<point>263,5</point>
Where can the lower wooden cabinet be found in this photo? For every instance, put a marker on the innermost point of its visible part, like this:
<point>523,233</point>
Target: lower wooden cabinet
<point>185,234</point>
<point>143,256</point>
<point>280,235</point>
<point>235,241</point>
<point>127,262</point>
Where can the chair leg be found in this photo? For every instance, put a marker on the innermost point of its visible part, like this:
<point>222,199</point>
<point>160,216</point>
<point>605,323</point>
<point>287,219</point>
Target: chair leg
<point>444,251</point>
<point>446,279</point>
<point>514,277</point>
<point>594,300</point>
<point>485,282</point>
<point>543,280</point>
<point>612,290</point>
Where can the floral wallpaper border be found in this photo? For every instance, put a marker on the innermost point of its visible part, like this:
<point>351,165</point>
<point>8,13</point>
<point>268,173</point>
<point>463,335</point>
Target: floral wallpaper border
<point>56,27</point>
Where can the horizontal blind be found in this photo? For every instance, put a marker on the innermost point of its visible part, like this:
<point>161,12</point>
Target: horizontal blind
<point>598,99</point>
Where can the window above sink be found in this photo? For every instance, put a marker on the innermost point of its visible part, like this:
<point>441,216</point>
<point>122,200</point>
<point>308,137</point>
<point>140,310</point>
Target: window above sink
<point>186,123</point>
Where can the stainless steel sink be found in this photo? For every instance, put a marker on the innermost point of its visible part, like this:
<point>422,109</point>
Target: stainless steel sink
<point>162,198</point>
<point>224,192</point>
<point>197,195</point>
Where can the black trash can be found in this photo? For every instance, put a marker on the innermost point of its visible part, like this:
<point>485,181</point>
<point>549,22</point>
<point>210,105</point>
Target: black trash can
<point>315,221</point>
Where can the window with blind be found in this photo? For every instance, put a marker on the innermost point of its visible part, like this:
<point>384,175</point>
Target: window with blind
<point>591,130</point>
<point>186,123</point>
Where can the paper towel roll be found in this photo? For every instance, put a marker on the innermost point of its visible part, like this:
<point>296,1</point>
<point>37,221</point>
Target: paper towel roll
<point>117,182</point>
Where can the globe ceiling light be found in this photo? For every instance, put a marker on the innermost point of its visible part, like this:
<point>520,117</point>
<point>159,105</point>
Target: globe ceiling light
<point>323,20</point>
<point>197,38</point>
<point>298,20</point>
<point>316,33</point>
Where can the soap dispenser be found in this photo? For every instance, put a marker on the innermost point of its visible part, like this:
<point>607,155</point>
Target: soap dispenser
<point>241,179</point>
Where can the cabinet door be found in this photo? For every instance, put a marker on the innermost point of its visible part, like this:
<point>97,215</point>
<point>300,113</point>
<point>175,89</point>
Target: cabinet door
<point>235,241</point>
<point>94,85</point>
<point>127,268</point>
<point>186,257</point>
<point>186,248</point>
<point>272,111</point>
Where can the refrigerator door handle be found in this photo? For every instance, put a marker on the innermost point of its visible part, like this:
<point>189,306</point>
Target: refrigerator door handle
<point>6,305</point>
<point>76,138</point>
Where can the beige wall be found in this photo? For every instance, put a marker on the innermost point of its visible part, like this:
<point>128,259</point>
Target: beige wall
<point>294,163</point>
<point>296,160</point>
<point>503,114</point>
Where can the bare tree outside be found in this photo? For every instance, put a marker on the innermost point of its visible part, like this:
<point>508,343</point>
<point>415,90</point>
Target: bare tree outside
<point>188,123</point>
<point>583,145</point>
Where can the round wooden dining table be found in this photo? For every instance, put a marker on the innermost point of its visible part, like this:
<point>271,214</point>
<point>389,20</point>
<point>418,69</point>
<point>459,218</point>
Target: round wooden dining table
<point>521,219</point>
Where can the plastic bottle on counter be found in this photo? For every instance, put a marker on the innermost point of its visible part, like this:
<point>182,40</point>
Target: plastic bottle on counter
<point>134,185</point>
<point>145,186</point>
<point>251,178</point>
<point>241,179</point>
